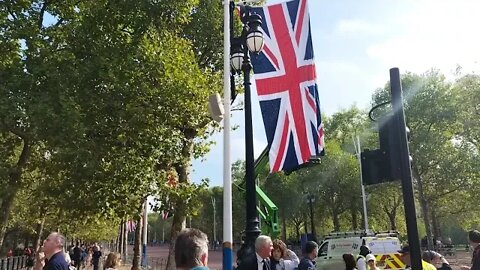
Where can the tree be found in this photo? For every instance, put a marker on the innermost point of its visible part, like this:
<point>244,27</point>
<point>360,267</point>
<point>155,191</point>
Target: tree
<point>285,191</point>
<point>111,92</point>
<point>435,121</point>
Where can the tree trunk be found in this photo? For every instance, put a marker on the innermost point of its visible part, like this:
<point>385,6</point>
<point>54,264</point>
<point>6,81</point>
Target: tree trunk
<point>297,223</point>
<point>305,223</point>
<point>180,215</point>
<point>393,221</point>
<point>39,231</point>
<point>425,210</point>
<point>336,219</point>
<point>436,228</point>
<point>297,230</point>
<point>14,183</point>
<point>137,245</point>
<point>354,218</point>
<point>284,228</point>
<point>120,239</point>
<point>124,248</point>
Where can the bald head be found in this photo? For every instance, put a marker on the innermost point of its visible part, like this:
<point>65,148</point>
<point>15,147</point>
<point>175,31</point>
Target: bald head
<point>53,244</point>
<point>263,246</point>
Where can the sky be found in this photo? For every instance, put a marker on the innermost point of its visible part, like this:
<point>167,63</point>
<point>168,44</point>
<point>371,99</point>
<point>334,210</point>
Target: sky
<point>355,44</point>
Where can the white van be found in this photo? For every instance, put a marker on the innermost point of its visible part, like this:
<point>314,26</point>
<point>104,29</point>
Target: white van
<point>384,246</point>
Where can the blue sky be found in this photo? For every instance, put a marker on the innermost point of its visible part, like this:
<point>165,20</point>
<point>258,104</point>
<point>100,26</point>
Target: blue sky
<point>356,43</point>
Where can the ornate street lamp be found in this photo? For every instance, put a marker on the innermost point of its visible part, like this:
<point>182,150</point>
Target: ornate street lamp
<point>250,42</point>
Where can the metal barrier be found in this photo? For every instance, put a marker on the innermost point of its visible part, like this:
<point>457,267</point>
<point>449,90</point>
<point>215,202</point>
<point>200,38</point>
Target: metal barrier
<point>13,263</point>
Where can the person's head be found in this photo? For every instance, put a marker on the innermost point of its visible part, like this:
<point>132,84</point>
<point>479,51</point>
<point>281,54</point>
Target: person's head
<point>474,238</point>
<point>364,250</point>
<point>264,246</point>
<point>428,256</point>
<point>311,249</point>
<point>371,261</point>
<point>405,252</point>
<point>191,249</point>
<point>350,261</point>
<point>432,257</point>
<point>112,261</point>
<point>279,249</point>
<point>53,244</point>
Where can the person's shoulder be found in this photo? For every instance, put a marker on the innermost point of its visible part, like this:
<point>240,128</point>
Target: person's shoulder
<point>428,266</point>
<point>200,268</point>
<point>306,264</point>
<point>57,264</point>
<point>248,262</point>
<point>306,260</point>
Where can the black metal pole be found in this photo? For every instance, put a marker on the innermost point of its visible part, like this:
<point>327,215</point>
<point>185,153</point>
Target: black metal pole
<point>252,229</point>
<point>314,233</point>
<point>405,169</point>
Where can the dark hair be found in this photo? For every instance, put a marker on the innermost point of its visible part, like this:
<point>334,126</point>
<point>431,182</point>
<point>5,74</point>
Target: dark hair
<point>350,262</point>
<point>474,236</point>
<point>280,245</point>
<point>310,246</point>
<point>428,255</point>
<point>190,246</point>
<point>364,250</point>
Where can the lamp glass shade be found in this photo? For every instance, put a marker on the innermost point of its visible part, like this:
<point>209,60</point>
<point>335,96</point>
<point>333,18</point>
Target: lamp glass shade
<point>255,41</point>
<point>236,61</point>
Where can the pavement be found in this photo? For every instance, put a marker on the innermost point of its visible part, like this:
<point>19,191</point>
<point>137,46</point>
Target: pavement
<point>157,258</point>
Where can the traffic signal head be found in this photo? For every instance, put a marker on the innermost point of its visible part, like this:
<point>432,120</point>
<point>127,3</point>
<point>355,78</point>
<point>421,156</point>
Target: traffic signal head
<point>389,146</point>
<point>375,167</point>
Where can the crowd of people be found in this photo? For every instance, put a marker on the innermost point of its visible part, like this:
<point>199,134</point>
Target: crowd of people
<point>52,256</point>
<point>83,256</point>
<point>191,253</point>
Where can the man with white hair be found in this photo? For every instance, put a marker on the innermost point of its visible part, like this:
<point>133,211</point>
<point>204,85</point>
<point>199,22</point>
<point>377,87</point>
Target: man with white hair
<point>260,260</point>
<point>53,250</point>
<point>191,250</point>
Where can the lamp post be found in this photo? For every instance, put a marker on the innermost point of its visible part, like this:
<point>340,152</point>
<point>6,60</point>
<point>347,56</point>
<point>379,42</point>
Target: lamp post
<point>310,201</point>
<point>249,42</point>
<point>214,225</point>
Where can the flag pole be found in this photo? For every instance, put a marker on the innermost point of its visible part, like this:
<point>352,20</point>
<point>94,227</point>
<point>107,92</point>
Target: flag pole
<point>227,177</point>
<point>358,150</point>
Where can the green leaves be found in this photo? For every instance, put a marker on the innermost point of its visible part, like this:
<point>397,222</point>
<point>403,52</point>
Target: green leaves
<point>112,96</point>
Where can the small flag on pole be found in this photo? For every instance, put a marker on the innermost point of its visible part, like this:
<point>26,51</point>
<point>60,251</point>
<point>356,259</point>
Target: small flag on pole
<point>131,226</point>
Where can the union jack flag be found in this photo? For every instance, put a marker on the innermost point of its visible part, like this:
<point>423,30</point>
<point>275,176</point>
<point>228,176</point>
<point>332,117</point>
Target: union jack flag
<point>286,84</point>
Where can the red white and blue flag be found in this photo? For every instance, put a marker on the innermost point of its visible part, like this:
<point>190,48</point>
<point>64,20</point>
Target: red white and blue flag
<point>286,84</point>
<point>131,225</point>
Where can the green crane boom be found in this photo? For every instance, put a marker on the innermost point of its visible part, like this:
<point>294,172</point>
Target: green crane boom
<point>267,210</point>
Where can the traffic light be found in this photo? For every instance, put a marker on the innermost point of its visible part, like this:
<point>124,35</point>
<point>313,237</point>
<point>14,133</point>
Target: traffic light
<point>384,164</point>
<point>390,146</point>
<point>374,167</point>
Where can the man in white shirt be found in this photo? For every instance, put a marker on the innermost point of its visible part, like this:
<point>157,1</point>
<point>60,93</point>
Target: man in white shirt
<point>260,260</point>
